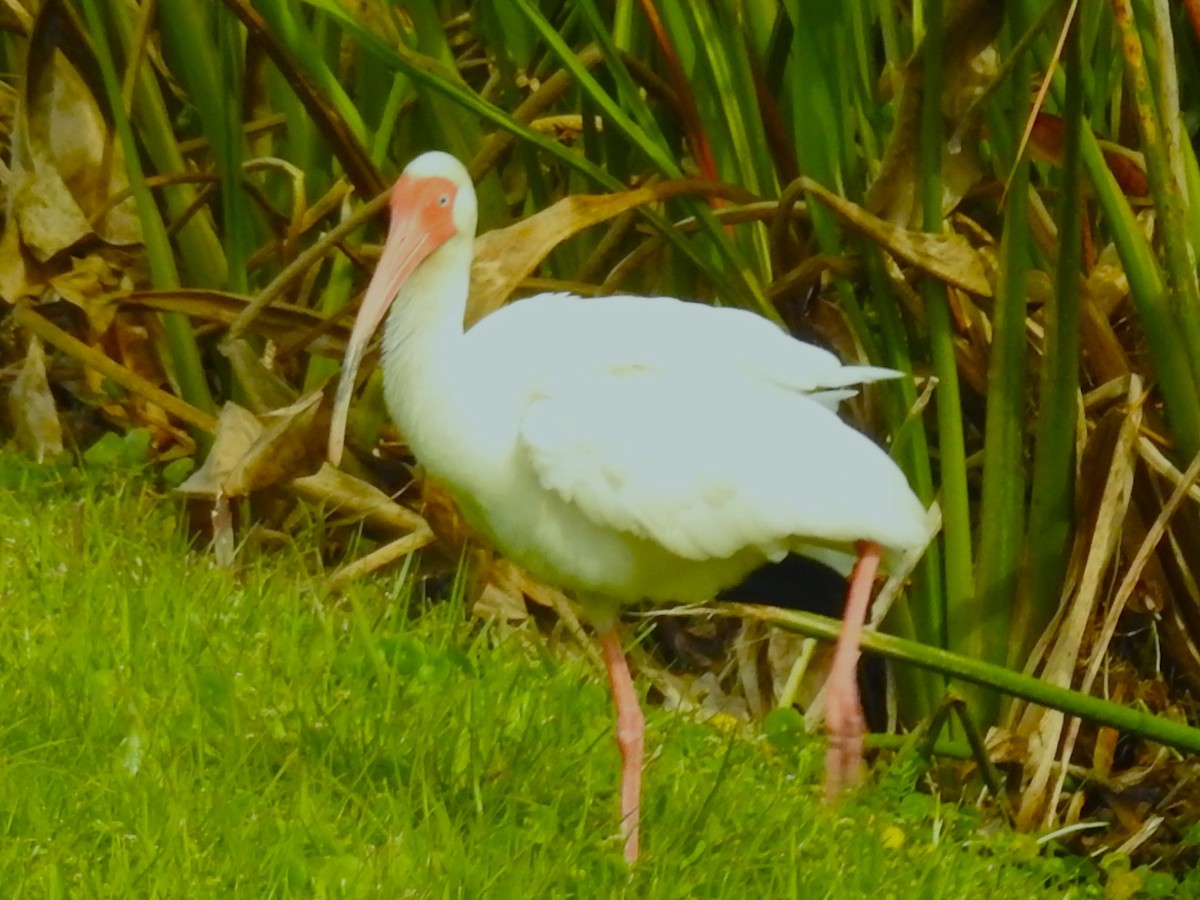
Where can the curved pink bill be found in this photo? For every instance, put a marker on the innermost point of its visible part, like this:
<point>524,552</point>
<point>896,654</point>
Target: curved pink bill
<point>407,245</point>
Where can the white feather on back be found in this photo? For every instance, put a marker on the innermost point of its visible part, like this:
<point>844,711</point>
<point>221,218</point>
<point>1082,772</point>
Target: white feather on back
<point>566,333</point>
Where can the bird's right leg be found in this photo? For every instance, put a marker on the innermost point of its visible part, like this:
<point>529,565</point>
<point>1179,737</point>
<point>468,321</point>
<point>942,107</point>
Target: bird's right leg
<point>843,708</point>
<point>630,737</point>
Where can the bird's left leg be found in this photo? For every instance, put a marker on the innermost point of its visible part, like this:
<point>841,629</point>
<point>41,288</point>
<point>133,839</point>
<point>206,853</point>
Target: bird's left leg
<point>843,708</point>
<point>630,738</point>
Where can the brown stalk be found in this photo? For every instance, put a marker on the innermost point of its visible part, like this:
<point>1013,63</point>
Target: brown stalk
<point>113,370</point>
<point>350,152</point>
<point>692,124</point>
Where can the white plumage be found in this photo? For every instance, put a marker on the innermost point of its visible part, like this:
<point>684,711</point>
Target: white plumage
<point>627,448</point>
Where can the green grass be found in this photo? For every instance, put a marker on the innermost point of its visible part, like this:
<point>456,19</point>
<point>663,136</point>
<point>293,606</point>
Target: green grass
<point>170,729</point>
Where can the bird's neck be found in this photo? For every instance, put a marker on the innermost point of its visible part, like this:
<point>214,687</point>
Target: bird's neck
<point>423,333</point>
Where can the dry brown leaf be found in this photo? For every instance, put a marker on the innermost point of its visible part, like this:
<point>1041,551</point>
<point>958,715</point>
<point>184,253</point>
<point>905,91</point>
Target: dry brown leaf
<point>1105,750</point>
<point>948,257</point>
<point>355,497</point>
<point>1103,353</point>
<point>32,407</point>
<point>794,680</point>
<point>508,576</point>
<point>970,67</point>
<point>747,644</point>
<point>1127,166</point>
<point>497,604</point>
<point>1135,569</point>
<point>236,431</point>
<point>288,447</point>
<point>15,277</point>
<point>1178,617</point>
<point>47,217</point>
<point>249,454</point>
<point>89,285</point>
<point>505,256</point>
<point>131,341</point>
<point>1040,798</point>
<point>1004,747</point>
<point>384,556</point>
<point>264,389</point>
<point>17,17</point>
<point>1107,283</point>
<point>65,165</point>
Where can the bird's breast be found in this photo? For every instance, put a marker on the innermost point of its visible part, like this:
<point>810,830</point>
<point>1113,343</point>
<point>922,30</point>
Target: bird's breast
<point>556,541</point>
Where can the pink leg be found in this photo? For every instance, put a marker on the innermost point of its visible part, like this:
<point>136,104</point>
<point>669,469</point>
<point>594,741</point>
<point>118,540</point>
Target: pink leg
<point>843,709</point>
<point>630,732</point>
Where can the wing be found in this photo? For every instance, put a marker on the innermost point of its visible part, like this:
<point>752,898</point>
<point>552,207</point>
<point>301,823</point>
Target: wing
<point>709,463</point>
<point>572,336</point>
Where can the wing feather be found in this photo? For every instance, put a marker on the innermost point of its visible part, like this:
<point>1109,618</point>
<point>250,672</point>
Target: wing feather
<point>709,465</point>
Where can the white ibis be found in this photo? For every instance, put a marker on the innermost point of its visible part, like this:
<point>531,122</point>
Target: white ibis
<point>628,449</point>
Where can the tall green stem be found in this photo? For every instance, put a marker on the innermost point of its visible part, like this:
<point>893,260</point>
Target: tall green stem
<point>181,342</point>
<point>1002,508</point>
<point>1052,500</point>
<point>960,618</point>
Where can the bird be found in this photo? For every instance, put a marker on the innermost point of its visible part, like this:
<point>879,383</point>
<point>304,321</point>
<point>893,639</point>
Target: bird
<point>630,450</point>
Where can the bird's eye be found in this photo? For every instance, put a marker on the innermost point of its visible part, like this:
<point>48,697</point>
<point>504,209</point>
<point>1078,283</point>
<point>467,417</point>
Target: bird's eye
<point>444,200</point>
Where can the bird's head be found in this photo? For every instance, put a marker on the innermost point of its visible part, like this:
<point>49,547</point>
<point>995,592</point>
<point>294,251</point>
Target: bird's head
<point>434,193</point>
<point>433,203</point>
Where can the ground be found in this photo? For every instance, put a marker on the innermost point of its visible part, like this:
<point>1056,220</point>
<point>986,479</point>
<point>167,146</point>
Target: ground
<point>172,729</point>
